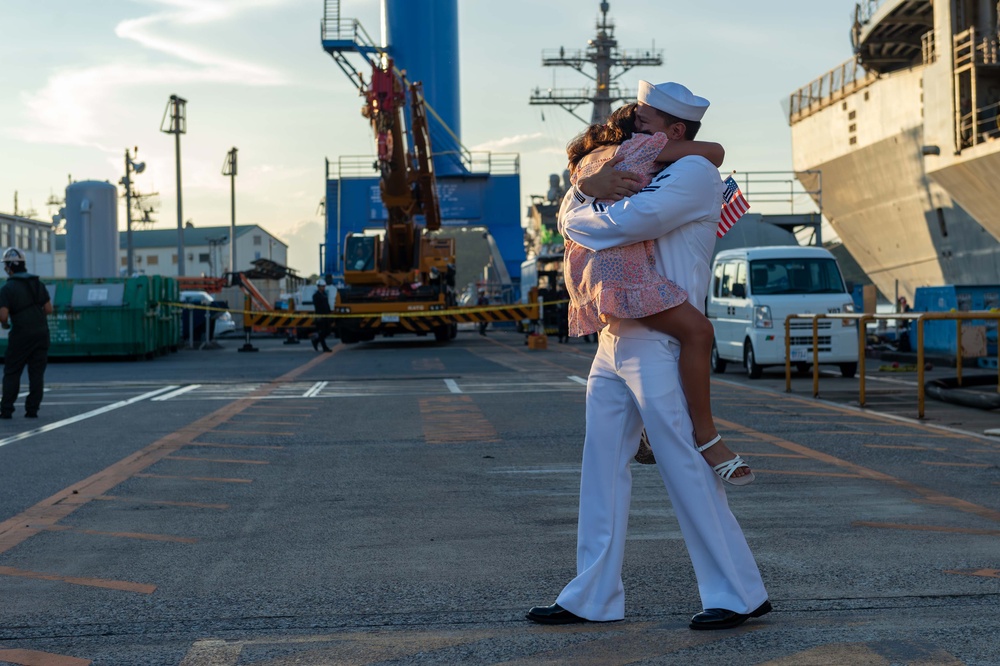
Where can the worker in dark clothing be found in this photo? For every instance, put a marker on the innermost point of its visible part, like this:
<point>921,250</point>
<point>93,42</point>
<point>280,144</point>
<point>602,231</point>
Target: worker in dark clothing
<point>321,305</point>
<point>483,300</point>
<point>24,305</point>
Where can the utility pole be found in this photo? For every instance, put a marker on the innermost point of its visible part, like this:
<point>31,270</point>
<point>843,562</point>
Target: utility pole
<point>131,166</point>
<point>229,169</point>
<point>177,110</point>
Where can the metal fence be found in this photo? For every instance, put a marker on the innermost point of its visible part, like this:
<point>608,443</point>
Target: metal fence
<point>919,317</point>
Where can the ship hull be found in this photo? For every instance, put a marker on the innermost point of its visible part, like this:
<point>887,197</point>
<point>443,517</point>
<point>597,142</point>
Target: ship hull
<point>903,227</point>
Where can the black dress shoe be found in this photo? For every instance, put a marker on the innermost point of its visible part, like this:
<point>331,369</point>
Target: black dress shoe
<point>31,415</point>
<point>720,618</point>
<point>554,614</point>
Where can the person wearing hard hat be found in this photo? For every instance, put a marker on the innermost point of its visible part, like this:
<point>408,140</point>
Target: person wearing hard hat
<point>321,305</point>
<point>24,307</point>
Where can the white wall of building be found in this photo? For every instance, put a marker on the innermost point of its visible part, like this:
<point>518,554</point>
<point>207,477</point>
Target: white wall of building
<point>35,239</point>
<point>200,260</point>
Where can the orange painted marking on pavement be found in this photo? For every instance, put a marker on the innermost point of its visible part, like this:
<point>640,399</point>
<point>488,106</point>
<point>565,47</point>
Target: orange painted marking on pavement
<point>253,432</point>
<point>50,511</point>
<point>216,479</point>
<point>954,464</point>
<point>927,494</point>
<point>125,535</point>
<point>453,419</point>
<point>988,573</point>
<point>925,528</point>
<point>235,446</point>
<point>35,658</point>
<point>835,475</point>
<point>812,408</point>
<point>122,585</point>
<point>908,435</point>
<point>140,500</point>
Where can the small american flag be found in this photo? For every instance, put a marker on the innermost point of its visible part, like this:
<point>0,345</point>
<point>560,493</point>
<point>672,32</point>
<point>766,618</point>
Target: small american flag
<point>734,205</point>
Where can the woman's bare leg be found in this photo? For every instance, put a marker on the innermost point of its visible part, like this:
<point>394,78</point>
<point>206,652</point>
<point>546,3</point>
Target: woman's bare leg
<point>695,333</point>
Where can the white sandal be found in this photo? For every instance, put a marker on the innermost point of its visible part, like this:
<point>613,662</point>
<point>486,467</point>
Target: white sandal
<point>726,469</point>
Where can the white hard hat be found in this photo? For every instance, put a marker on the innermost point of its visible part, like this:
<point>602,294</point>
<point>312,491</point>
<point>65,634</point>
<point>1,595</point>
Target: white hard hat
<point>13,256</point>
<point>320,283</point>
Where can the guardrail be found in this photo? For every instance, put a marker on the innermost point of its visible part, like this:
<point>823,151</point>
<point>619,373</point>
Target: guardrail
<point>862,319</point>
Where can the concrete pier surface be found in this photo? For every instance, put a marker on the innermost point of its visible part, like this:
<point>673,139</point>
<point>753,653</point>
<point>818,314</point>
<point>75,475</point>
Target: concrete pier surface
<point>406,501</point>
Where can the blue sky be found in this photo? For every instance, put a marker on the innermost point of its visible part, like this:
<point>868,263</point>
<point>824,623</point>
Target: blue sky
<point>84,80</point>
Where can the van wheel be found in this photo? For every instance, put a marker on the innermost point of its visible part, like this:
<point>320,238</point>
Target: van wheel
<point>802,368</point>
<point>750,362</point>
<point>848,370</point>
<point>718,364</point>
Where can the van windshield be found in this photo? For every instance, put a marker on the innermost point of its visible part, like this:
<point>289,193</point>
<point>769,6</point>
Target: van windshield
<point>795,276</point>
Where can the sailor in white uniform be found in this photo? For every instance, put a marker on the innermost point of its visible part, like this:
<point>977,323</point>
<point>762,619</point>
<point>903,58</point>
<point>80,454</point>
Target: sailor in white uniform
<point>634,382</point>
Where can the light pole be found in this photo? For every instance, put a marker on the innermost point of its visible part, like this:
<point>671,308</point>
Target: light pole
<point>177,109</point>
<point>131,166</point>
<point>229,169</point>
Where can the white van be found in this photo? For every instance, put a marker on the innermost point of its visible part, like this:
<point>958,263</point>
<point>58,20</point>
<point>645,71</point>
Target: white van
<point>753,290</point>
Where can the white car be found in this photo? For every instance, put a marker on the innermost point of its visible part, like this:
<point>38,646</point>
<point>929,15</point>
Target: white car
<point>222,323</point>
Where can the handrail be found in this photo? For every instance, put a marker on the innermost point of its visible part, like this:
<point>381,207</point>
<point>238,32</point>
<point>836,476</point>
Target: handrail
<point>863,319</point>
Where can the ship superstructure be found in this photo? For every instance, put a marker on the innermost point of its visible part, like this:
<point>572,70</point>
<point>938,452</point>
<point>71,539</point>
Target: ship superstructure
<point>905,137</point>
<point>609,63</point>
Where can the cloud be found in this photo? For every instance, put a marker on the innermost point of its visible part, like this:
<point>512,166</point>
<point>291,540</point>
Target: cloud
<point>516,143</point>
<point>73,106</point>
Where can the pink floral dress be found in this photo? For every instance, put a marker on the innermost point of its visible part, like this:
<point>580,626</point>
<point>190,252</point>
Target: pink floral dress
<point>622,281</point>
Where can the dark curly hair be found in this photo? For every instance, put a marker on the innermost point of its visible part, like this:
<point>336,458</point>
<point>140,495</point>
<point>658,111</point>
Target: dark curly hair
<point>619,127</point>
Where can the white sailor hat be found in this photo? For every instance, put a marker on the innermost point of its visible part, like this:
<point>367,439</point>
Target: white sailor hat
<point>673,98</point>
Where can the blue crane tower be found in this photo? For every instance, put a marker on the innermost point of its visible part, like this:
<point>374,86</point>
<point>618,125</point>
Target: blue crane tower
<point>474,189</point>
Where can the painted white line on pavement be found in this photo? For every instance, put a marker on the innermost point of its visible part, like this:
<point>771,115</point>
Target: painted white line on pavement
<point>174,394</point>
<point>452,385</point>
<point>81,417</point>
<point>315,389</point>
<point>578,380</point>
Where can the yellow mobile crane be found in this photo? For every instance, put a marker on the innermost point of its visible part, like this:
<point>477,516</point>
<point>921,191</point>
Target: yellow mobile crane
<point>403,271</point>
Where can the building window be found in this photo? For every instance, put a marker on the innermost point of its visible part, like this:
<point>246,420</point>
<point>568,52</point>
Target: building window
<point>138,258</point>
<point>5,234</point>
<point>173,259</point>
<point>256,255</point>
<point>153,260</point>
<point>124,261</point>
<point>44,241</point>
<point>203,257</point>
<point>257,240</point>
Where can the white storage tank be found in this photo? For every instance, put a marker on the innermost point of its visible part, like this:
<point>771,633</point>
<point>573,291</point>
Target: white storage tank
<point>91,230</point>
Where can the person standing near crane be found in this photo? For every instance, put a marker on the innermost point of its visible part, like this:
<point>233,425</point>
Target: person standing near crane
<point>321,305</point>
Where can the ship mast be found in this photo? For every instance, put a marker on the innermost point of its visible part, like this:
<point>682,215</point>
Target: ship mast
<point>609,62</point>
